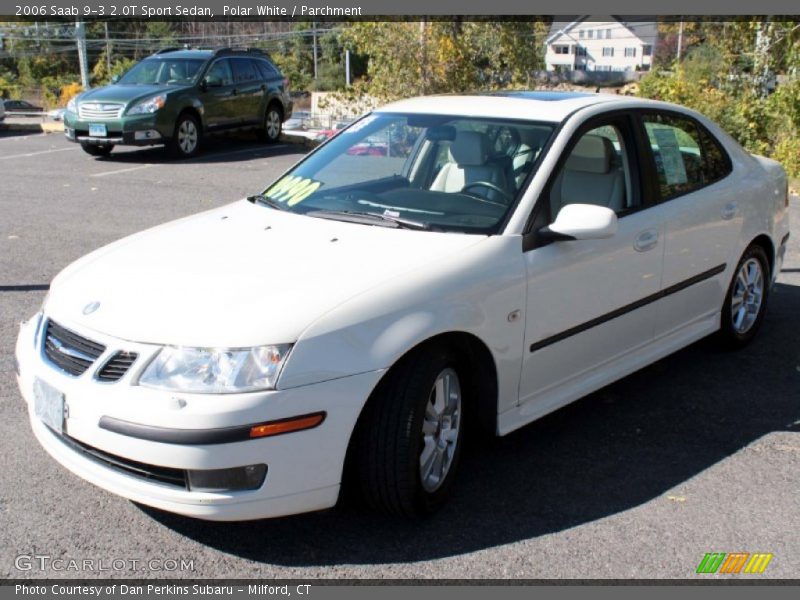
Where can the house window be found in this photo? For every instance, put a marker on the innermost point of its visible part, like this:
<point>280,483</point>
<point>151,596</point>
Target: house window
<point>608,51</point>
<point>561,49</point>
<point>630,52</point>
<point>608,34</point>
<point>580,34</point>
<point>647,50</point>
<point>581,50</point>
<point>590,33</point>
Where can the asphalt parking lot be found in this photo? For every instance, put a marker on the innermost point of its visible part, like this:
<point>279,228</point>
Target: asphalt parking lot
<point>697,453</point>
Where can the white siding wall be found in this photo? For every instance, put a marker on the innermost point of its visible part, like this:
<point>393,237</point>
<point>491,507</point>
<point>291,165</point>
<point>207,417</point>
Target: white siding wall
<point>604,34</point>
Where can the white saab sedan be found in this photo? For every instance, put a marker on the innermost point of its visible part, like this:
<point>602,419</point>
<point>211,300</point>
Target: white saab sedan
<point>443,263</point>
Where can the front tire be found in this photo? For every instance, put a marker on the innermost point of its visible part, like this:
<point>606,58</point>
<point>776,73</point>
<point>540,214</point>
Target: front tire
<point>746,300</point>
<point>97,149</point>
<point>186,139</point>
<point>409,439</point>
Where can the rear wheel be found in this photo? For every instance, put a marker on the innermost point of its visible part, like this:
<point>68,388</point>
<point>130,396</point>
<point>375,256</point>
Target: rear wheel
<point>409,438</point>
<point>185,141</point>
<point>746,300</point>
<point>273,121</point>
<point>97,149</point>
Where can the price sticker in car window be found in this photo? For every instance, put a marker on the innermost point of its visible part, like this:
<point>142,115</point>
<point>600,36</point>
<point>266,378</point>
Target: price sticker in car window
<point>292,190</point>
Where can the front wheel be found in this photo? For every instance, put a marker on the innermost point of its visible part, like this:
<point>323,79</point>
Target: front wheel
<point>746,300</point>
<point>410,436</point>
<point>97,149</point>
<point>185,141</point>
<point>271,131</point>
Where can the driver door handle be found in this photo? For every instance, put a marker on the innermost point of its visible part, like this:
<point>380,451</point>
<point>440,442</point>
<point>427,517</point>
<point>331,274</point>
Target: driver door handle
<point>646,240</point>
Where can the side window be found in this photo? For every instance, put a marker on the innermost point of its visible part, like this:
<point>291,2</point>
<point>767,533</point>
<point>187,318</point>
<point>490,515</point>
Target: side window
<point>243,70</point>
<point>686,156</point>
<point>595,172</point>
<point>221,72</point>
<point>266,70</point>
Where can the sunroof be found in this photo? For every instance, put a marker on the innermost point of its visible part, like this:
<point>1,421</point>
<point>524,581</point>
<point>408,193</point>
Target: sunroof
<point>540,95</point>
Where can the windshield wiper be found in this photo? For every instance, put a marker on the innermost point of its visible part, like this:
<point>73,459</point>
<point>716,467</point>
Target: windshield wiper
<point>267,201</point>
<point>378,218</point>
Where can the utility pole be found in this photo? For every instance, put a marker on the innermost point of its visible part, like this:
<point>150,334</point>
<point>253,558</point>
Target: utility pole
<point>80,38</point>
<point>680,40</point>
<point>314,33</point>
<point>108,50</point>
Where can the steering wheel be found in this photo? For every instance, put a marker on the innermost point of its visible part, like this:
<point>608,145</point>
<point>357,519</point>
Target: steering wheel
<point>492,187</point>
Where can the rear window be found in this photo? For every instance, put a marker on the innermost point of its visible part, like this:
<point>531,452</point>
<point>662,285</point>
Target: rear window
<point>243,70</point>
<point>267,70</point>
<point>686,156</point>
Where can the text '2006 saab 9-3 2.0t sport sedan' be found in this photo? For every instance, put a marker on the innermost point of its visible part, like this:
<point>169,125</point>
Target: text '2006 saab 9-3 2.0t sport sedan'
<point>500,257</point>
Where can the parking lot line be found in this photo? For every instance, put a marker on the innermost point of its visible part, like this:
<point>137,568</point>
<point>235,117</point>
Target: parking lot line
<point>147,166</point>
<point>27,154</point>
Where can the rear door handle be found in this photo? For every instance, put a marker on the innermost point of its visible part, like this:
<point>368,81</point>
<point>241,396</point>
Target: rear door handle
<point>729,211</point>
<point>646,240</point>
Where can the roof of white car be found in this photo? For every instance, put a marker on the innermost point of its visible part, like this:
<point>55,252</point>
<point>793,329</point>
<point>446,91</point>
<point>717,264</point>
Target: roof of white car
<point>529,105</point>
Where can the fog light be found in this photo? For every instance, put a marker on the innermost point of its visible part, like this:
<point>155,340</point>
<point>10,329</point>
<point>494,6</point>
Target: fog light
<point>149,134</point>
<point>227,480</point>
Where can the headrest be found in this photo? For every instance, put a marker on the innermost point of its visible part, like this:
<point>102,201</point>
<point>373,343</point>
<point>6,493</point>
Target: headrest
<point>470,148</point>
<point>592,154</point>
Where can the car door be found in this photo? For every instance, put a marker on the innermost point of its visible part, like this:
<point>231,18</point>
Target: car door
<point>589,303</point>
<point>219,100</point>
<point>249,91</point>
<point>701,217</point>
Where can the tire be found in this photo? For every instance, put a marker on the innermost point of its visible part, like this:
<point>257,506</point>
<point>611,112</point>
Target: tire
<point>97,149</point>
<point>408,440</point>
<point>186,139</point>
<point>746,300</point>
<point>273,124</point>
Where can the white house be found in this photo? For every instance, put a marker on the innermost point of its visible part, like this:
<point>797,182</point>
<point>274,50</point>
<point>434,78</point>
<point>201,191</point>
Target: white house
<point>600,43</point>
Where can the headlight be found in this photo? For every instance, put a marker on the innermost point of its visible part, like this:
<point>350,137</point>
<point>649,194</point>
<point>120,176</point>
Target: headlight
<point>216,370</point>
<point>150,105</point>
<point>72,105</point>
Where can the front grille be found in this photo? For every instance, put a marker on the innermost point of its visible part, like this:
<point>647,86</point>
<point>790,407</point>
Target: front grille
<point>163,475</point>
<point>99,110</point>
<point>117,366</point>
<point>69,351</point>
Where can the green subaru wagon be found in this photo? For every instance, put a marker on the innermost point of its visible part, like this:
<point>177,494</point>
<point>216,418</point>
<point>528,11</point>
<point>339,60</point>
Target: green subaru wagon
<point>177,96</point>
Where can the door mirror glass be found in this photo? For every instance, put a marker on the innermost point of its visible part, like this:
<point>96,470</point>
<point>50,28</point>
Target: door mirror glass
<point>582,222</point>
<point>211,82</point>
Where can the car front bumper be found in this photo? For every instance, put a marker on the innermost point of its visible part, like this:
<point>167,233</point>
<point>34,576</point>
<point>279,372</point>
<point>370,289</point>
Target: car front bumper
<point>139,130</point>
<point>304,468</point>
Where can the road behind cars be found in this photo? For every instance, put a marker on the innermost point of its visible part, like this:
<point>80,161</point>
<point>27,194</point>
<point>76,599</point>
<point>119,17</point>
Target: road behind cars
<point>697,453</point>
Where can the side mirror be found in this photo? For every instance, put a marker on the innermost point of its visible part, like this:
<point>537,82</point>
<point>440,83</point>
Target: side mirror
<point>210,82</point>
<point>581,222</point>
<point>114,78</point>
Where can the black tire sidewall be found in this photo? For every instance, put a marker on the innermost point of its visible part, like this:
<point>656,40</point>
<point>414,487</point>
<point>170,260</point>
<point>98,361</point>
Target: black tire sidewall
<point>730,336</point>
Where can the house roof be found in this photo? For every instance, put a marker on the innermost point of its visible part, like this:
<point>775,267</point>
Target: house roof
<point>641,29</point>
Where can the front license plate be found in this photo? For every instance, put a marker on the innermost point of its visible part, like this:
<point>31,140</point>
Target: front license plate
<point>98,130</point>
<point>48,405</point>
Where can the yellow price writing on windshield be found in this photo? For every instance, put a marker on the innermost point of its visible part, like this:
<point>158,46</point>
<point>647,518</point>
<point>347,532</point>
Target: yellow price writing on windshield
<point>292,190</point>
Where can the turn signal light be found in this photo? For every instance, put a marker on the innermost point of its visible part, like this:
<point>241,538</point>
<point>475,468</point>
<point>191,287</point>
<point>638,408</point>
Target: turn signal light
<point>287,425</point>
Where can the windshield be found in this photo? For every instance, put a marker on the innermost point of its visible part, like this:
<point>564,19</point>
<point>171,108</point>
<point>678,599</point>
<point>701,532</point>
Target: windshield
<point>446,173</point>
<point>177,71</point>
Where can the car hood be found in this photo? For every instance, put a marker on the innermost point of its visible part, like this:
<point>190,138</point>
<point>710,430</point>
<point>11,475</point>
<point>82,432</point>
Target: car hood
<point>126,93</point>
<point>238,276</point>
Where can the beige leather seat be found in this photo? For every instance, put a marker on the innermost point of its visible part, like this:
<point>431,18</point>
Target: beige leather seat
<point>469,153</point>
<point>590,177</point>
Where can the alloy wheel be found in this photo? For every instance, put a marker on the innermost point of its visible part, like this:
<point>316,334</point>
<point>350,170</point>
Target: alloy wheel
<point>440,429</point>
